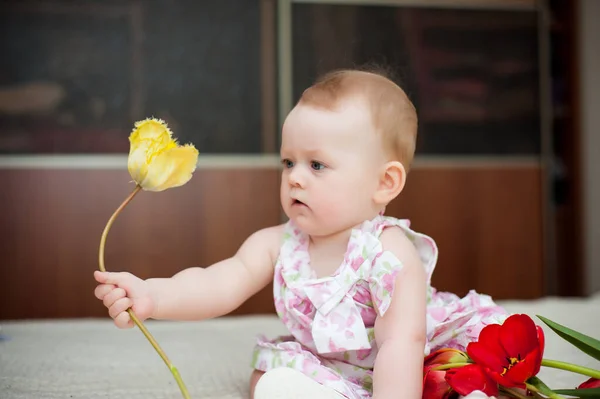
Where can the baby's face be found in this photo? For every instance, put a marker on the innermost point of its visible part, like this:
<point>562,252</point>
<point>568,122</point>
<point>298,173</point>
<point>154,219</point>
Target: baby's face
<point>331,163</point>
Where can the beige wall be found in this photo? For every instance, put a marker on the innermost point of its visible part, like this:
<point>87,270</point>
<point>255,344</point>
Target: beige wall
<point>590,117</point>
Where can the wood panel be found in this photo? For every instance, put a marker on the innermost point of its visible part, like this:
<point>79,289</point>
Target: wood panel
<point>487,223</point>
<point>52,221</point>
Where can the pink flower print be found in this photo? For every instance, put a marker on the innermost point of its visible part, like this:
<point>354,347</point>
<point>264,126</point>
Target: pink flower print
<point>368,316</point>
<point>297,264</point>
<point>362,354</point>
<point>279,279</point>
<point>459,308</point>
<point>351,247</point>
<point>350,320</point>
<point>306,336</point>
<point>357,262</point>
<point>388,281</point>
<point>439,314</point>
<point>334,348</point>
<point>349,334</point>
<point>279,304</point>
<point>362,295</point>
<point>338,321</point>
<point>474,301</point>
<point>342,322</point>
<point>327,375</point>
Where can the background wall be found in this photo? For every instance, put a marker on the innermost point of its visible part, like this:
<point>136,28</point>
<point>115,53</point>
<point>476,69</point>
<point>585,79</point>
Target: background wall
<point>589,32</point>
<point>477,187</point>
<point>53,216</point>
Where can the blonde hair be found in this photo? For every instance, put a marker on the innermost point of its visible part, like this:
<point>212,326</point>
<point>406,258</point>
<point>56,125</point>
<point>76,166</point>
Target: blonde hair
<point>393,115</point>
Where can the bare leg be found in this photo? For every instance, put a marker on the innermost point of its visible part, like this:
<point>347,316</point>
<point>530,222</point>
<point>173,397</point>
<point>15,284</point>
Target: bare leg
<point>254,377</point>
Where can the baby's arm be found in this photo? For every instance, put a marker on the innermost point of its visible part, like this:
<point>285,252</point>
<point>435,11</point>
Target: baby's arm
<point>199,293</point>
<point>195,293</point>
<point>401,333</point>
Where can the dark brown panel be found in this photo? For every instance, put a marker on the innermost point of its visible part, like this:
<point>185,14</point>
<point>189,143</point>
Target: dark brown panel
<point>566,132</point>
<point>53,219</point>
<point>487,224</point>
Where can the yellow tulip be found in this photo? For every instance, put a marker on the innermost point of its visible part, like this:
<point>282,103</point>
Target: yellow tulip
<point>156,162</point>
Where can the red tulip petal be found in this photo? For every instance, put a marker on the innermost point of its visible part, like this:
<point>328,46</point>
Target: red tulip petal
<point>541,339</point>
<point>591,383</point>
<point>467,379</point>
<point>435,385</point>
<point>487,351</point>
<point>521,371</point>
<point>542,343</point>
<point>445,356</point>
<point>505,382</point>
<point>519,335</point>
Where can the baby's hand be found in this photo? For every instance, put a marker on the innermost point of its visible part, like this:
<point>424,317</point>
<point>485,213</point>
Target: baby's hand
<point>121,291</point>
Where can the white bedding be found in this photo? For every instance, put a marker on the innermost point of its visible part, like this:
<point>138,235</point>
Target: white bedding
<point>91,358</point>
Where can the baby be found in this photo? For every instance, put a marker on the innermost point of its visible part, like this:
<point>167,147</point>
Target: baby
<point>351,285</point>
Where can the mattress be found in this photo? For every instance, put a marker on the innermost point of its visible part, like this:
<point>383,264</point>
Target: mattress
<point>90,358</point>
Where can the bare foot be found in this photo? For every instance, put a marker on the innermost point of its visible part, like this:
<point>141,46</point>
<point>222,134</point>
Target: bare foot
<point>256,374</point>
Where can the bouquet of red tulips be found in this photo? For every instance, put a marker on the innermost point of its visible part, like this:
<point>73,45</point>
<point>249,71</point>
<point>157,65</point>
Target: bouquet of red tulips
<point>504,361</point>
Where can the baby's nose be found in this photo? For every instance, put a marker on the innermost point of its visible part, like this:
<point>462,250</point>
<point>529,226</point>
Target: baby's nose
<point>295,178</point>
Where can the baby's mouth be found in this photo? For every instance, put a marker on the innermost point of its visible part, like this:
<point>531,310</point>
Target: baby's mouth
<point>298,202</point>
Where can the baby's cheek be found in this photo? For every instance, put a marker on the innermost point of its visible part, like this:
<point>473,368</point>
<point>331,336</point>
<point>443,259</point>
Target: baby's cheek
<point>333,205</point>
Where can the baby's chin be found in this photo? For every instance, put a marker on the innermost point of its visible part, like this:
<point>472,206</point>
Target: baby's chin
<point>312,227</point>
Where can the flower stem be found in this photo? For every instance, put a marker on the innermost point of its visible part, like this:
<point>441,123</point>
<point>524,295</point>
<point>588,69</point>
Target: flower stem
<point>571,367</point>
<point>449,366</point>
<point>137,321</point>
<point>534,384</point>
<point>109,225</point>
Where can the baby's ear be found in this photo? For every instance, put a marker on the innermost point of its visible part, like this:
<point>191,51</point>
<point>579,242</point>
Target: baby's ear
<point>391,183</point>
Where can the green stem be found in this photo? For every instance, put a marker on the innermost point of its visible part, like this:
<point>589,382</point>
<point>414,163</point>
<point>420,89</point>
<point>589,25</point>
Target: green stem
<point>571,367</point>
<point>534,384</point>
<point>135,319</point>
<point>449,366</point>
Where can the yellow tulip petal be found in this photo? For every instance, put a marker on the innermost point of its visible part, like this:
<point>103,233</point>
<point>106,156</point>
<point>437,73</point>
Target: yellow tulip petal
<point>171,168</point>
<point>150,138</point>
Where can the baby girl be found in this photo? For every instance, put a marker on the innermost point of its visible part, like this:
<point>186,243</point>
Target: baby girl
<point>351,285</point>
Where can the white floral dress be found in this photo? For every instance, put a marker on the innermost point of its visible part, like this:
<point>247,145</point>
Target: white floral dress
<point>331,319</point>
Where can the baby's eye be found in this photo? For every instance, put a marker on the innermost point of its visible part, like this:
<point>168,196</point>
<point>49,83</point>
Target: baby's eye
<point>317,165</point>
<point>287,163</point>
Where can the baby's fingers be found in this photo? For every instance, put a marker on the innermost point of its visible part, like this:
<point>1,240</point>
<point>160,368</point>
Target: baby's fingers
<point>123,320</point>
<point>113,296</point>
<point>120,306</point>
<point>102,290</point>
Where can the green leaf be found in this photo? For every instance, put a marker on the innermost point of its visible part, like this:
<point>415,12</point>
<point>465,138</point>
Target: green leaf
<point>536,385</point>
<point>585,343</point>
<point>580,393</point>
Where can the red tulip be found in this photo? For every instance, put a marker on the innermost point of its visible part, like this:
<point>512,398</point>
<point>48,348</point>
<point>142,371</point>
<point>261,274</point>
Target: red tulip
<point>591,383</point>
<point>434,381</point>
<point>446,356</point>
<point>467,379</point>
<point>510,353</point>
<point>435,385</point>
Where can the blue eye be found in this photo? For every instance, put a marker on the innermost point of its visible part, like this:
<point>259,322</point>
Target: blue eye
<point>287,163</point>
<point>317,165</point>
